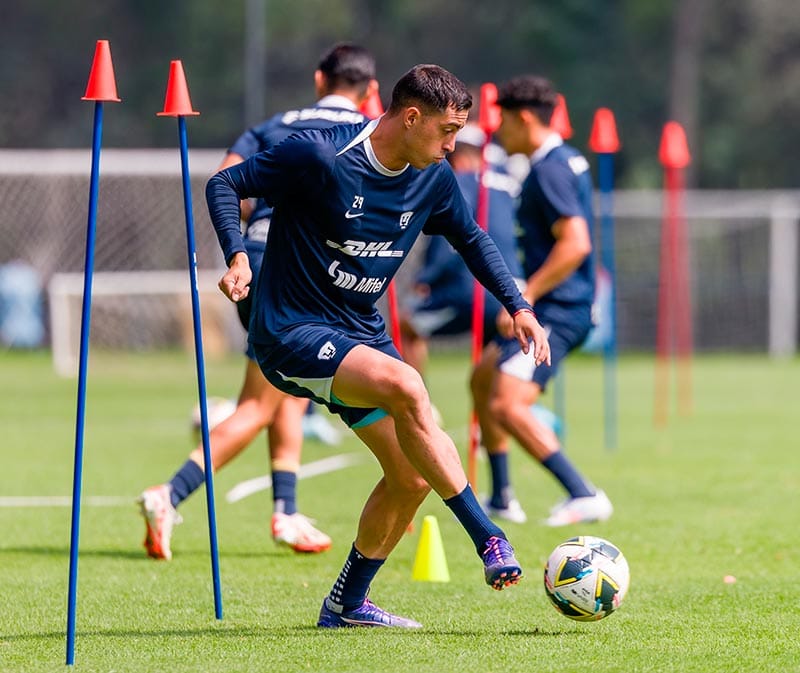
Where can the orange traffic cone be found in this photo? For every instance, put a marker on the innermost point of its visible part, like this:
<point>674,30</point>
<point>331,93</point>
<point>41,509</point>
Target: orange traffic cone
<point>102,86</point>
<point>177,102</point>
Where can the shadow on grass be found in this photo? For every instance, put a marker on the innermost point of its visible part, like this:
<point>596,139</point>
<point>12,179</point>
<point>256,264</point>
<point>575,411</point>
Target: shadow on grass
<point>139,555</point>
<point>225,631</point>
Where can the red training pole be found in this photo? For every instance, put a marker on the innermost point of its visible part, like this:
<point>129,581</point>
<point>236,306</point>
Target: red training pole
<point>489,121</point>
<point>674,326</point>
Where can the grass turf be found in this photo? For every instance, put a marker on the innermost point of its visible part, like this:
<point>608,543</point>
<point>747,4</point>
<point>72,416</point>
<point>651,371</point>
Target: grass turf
<point>711,494</point>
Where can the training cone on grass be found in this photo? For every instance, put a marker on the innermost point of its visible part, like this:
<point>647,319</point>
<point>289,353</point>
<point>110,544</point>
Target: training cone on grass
<point>177,102</point>
<point>430,564</point>
<point>102,86</point>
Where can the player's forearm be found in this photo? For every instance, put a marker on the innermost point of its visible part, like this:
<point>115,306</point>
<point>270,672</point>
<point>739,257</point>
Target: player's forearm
<point>561,263</point>
<point>487,265</point>
<point>224,209</point>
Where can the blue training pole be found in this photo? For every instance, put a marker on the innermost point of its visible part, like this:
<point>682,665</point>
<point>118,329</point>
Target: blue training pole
<point>606,183</point>
<point>77,476</point>
<point>201,373</point>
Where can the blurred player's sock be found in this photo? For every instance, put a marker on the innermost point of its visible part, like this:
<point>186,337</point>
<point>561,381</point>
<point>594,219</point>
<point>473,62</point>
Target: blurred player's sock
<point>185,482</point>
<point>284,489</point>
<point>565,472</point>
<point>501,489</point>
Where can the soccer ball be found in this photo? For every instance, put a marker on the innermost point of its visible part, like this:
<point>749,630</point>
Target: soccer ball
<point>219,408</point>
<point>586,578</point>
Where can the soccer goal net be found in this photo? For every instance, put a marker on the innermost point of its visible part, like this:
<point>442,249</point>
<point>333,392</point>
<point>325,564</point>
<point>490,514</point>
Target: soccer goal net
<point>141,293</point>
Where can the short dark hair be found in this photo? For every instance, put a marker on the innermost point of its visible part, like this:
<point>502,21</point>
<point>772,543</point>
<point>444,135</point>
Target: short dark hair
<point>530,92</point>
<point>432,87</point>
<point>347,65</point>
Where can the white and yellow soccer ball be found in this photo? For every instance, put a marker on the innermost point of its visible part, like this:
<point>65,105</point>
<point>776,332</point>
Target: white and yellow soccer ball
<point>219,408</point>
<point>586,578</point>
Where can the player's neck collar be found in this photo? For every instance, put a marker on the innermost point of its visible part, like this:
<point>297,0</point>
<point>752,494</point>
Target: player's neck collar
<point>377,165</point>
<point>336,100</point>
<point>552,141</point>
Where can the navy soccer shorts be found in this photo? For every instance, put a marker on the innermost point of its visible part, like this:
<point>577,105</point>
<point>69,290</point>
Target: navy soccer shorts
<point>567,328</point>
<point>305,361</point>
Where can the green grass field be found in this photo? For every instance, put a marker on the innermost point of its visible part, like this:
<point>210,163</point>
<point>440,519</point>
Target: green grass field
<point>714,493</point>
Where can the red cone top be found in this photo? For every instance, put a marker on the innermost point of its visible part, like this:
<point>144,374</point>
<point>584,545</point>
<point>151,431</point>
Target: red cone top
<point>559,122</point>
<point>372,107</point>
<point>177,102</point>
<point>489,113</point>
<point>603,138</point>
<point>674,151</point>
<point>102,86</point>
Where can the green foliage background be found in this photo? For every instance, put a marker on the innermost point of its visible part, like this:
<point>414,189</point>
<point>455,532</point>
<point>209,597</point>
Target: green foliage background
<point>615,53</point>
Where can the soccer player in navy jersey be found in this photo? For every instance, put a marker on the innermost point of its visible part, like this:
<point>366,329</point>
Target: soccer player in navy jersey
<point>349,202</point>
<point>554,219</point>
<point>441,303</point>
<point>344,78</point>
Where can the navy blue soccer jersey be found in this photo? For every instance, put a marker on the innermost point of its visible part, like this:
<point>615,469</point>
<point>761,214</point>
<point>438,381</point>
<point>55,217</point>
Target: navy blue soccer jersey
<point>328,111</point>
<point>559,185</point>
<point>342,224</point>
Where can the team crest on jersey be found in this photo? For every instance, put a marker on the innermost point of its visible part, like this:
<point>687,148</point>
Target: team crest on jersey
<point>327,351</point>
<point>405,218</point>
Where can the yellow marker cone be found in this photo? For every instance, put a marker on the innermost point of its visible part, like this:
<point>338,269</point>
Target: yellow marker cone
<point>430,565</point>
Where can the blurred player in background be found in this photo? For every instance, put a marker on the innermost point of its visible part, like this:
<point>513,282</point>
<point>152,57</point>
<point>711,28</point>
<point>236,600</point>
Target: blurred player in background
<point>349,203</point>
<point>345,78</point>
<point>441,303</point>
<point>555,219</point>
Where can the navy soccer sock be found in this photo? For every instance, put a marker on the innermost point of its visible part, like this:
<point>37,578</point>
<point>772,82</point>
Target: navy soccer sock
<point>565,472</point>
<point>185,482</point>
<point>352,585</point>
<point>501,486</point>
<point>284,489</point>
<point>469,513</point>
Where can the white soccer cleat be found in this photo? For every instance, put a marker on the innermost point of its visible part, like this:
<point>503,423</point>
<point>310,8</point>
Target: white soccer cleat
<point>297,532</point>
<point>316,426</point>
<point>512,512</point>
<point>159,518</point>
<point>595,507</point>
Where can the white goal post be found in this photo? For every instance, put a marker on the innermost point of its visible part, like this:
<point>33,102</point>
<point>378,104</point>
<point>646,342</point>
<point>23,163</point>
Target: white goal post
<point>164,296</point>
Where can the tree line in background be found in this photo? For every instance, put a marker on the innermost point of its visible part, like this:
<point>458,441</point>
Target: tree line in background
<point>727,71</point>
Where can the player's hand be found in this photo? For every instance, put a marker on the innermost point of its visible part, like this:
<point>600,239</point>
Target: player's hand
<point>235,284</point>
<point>530,333</point>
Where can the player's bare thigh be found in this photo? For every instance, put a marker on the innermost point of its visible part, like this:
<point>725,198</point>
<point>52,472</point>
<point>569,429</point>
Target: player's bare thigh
<point>367,377</point>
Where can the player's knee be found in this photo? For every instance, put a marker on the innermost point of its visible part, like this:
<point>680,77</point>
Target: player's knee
<point>415,488</point>
<point>502,410</point>
<point>409,392</point>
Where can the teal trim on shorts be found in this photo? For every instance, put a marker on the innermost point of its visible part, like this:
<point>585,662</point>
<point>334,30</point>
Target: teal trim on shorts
<point>372,417</point>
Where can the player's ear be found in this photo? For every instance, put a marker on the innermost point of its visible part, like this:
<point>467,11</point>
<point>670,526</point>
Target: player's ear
<point>412,116</point>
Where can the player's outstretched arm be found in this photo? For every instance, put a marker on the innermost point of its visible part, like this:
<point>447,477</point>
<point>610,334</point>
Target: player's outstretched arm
<point>530,333</point>
<point>235,284</point>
